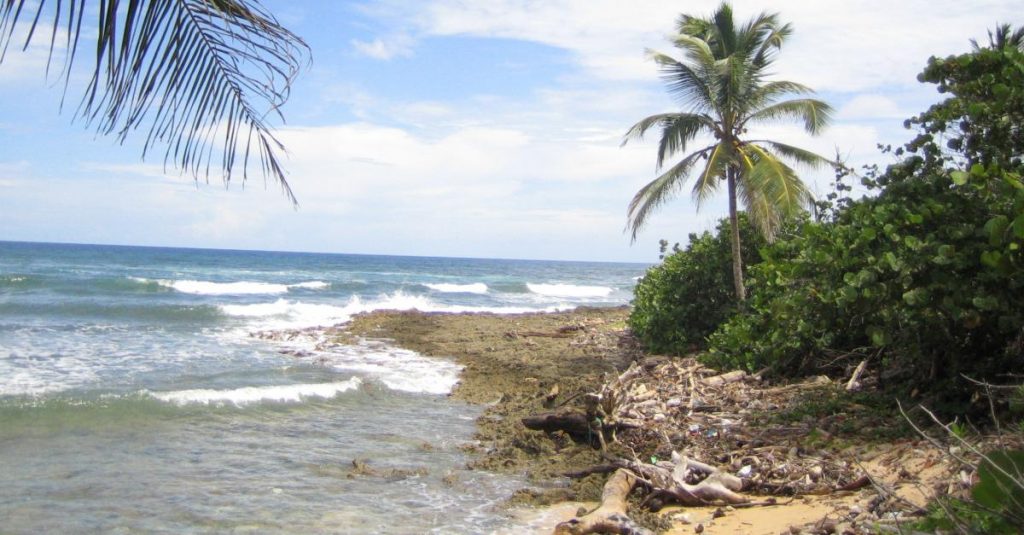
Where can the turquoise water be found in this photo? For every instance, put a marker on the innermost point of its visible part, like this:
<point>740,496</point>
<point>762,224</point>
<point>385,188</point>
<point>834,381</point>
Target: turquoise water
<point>138,391</point>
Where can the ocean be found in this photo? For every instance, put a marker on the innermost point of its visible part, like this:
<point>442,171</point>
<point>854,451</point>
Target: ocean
<point>139,391</point>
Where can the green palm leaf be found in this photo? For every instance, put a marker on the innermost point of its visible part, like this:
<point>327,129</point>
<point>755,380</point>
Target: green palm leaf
<point>200,76</point>
<point>814,113</point>
<point>684,82</point>
<point>658,191</point>
<point>707,183</point>
<point>802,156</point>
<point>779,183</point>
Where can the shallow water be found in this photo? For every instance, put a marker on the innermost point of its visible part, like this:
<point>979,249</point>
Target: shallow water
<point>134,398</point>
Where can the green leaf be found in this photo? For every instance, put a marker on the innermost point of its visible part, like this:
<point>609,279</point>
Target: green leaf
<point>959,177</point>
<point>1018,226</point>
<point>915,297</point>
<point>985,303</point>
<point>991,258</point>
<point>879,337</point>
<point>1000,482</point>
<point>996,228</point>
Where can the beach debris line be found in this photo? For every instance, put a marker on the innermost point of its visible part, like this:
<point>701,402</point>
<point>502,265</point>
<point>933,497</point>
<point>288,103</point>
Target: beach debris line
<point>712,427</point>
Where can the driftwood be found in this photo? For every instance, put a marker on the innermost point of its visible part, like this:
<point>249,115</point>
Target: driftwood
<point>573,422</point>
<point>725,378</point>
<point>854,384</point>
<point>681,480</point>
<point>610,516</point>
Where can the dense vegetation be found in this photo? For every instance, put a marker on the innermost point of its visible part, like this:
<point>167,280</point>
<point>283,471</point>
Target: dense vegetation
<point>923,276</point>
<point>684,299</point>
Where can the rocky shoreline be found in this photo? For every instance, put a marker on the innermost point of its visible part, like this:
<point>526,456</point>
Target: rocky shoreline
<point>519,365</point>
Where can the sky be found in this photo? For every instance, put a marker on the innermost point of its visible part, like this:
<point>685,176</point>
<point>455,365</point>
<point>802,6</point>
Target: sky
<point>467,128</point>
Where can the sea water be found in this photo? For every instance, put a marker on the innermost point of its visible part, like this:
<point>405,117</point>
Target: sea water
<point>139,391</point>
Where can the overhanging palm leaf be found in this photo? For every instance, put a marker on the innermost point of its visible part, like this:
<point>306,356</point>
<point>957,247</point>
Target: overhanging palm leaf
<point>200,75</point>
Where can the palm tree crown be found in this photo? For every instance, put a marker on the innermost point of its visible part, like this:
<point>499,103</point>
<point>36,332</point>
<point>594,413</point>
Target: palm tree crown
<point>722,87</point>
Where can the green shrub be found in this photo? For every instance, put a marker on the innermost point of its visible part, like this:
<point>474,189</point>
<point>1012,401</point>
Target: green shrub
<point>679,302</point>
<point>901,275</point>
<point>927,277</point>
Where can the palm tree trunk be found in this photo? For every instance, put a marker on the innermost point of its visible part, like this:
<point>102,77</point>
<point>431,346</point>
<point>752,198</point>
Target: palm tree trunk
<point>737,259</point>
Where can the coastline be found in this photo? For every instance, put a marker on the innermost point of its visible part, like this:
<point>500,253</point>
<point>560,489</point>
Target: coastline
<point>518,365</point>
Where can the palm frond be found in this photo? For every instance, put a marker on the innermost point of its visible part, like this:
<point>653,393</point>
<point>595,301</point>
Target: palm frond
<point>679,131</point>
<point>724,36</point>
<point>201,75</point>
<point>755,32</point>
<point>802,156</point>
<point>814,113</point>
<point>659,191</point>
<point>1003,37</point>
<point>779,184</point>
<point>760,210</point>
<point>772,43</point>
<point>689,85</point>
<point>709,179</point>
<point>696,49</point>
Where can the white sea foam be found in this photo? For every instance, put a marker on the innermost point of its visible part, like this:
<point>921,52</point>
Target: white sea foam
<point>288,314</point>
<point>475,288</point>
<point>569,290</point>
<point>223,288</point>
<point>257,394</point>
<point>398,369</point>
<point>198,287</point>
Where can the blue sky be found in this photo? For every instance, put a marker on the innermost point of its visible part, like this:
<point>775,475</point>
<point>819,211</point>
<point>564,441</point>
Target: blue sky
<point>465,128</point>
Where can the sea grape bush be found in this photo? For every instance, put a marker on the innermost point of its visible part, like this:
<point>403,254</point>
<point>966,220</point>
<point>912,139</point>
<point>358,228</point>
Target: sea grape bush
<point>679,302</point>
<point>926,276</point>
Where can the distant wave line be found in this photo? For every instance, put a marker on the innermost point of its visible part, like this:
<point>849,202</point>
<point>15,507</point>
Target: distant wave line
<point>569,290</point>
<point>473,288</point>
<point>199,287</point>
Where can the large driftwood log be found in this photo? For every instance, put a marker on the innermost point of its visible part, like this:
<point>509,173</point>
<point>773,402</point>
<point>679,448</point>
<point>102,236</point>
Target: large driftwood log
<point>610,516</point>
<point>573,422</point>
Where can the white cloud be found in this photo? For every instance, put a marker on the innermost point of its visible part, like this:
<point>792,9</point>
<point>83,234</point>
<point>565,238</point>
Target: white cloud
<point>381,48</point>
<point>13,174</point>
<point>845,46</point>
<point>870,106</point>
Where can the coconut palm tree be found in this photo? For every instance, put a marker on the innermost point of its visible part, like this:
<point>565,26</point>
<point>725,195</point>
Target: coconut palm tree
<point>199,77</point>
<point>722,87</point>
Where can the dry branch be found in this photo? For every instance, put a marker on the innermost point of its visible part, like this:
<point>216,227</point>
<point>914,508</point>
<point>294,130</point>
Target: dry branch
<point>610,516</point>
